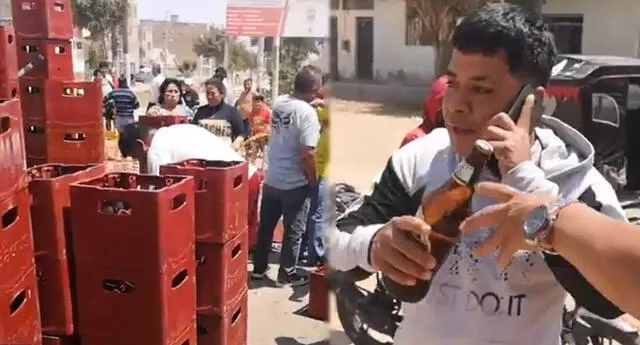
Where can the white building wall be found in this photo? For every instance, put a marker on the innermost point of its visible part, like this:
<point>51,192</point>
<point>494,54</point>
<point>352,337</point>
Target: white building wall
<point>390,52</point>
<point>610,27</point>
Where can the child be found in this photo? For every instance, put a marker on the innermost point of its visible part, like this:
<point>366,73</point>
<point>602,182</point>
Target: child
<point>260,116</point>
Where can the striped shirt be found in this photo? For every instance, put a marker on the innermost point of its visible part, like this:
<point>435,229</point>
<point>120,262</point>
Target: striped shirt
<point>124,100</point>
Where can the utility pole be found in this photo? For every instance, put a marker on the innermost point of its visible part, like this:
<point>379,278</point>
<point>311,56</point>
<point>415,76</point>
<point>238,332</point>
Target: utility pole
<point>275,77</point>
<point>260,63</point>
<point>166,41</point>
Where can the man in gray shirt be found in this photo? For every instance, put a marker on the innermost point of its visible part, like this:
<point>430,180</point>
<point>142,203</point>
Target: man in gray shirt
<point>291,174</point>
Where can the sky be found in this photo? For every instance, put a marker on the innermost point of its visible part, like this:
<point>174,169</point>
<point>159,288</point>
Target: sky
<point>197,11</point>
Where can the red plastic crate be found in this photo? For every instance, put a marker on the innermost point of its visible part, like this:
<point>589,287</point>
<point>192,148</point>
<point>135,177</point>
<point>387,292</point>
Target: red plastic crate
<point>63,144</point>
<point>16,243</point>
<point>253,219</point>
<point>62,103</point>
<point>221,274</point>
<point>50,204</point>
<point>9,66</point>
<point>43,18</point>
<point>319,295</point>
<point>20,317</point>
<point>48,339</point>
<point>149,227</point>
<point>58,58</point>
<point>9,89</point>
<point>162,121</point>
<point>125,304</point>
<point>222,194</point>
<point>227,329</point>
<point>54,295</point>
<point>12,149</point>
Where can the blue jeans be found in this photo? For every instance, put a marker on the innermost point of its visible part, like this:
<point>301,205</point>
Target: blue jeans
<point>293,206</point>
<point>317,221</point>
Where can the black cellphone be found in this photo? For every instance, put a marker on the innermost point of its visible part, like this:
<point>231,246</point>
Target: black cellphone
<point>514,113</point>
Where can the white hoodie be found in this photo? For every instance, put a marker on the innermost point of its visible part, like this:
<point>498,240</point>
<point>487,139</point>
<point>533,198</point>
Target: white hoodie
<point>472,302</point>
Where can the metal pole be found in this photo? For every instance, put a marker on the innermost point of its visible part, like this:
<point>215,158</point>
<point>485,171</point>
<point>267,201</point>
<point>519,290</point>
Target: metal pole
<point>260,67</point>
<point>166,41</point>
<point>225,61</point>
<point>275,80</point>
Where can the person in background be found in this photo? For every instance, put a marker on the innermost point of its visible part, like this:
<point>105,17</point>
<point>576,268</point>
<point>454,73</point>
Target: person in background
<point>105,78</point>
<point>169,101</point>
<point>432,112</point>
<point>217,109</point>
<point>190,96</point>
<point>244,103</point>
<point>125,103</point>
<point>260,116</point>
<point>221,74</point>
<point>313,240</point>
<point>154,91</point>
<point>291,176</point>
<point>572,229</point>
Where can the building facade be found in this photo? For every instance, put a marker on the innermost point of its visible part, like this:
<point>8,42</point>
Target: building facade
<point>374,40</point>
<point>171,36</point>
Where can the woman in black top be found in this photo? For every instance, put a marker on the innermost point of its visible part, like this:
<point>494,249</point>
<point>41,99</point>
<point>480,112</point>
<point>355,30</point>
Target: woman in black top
<point>217,109</point>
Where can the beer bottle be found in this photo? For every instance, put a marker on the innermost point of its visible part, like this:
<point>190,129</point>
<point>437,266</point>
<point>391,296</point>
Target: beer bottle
<point>444,209</point>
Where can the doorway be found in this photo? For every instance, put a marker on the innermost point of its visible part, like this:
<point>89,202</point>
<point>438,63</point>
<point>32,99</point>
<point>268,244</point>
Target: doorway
<point>333,47</point>
<point>364,48</point>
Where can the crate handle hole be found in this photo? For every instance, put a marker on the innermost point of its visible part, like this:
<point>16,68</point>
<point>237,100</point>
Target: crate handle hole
<point>5,124</point>
<point>115,208</point>
<point>237,182</point>
<point>118,286</point>
<point>14,92</point>
<point>58,7</point>
<point>17,302</point>
<point>76,137</point>
<point>236,316</point>
<point>10,217</point>
<point>236,251</point>
<point>179,279</point>
<point>200,329</point>
<point>35,130</point>
<point>9,39</point>
<point>31,48</point>
<point>32,90</point>
<point>178,201</point>
<point>59,50</point>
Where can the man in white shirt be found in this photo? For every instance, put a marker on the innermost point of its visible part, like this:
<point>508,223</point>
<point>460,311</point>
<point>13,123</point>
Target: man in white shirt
<point>158,78</point>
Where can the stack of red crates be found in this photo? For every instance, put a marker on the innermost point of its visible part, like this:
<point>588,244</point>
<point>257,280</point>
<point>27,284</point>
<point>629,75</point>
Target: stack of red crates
<point>19,317</point>
<point>49,187</point>
<point>221,197</point>
<point>62,117</point>
<point>133,248</point>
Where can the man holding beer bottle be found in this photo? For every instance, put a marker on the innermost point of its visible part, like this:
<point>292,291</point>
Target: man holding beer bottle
<point>472,299</point>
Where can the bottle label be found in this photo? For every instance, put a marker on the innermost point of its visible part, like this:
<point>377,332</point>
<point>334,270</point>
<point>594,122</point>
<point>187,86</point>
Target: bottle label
<point>464,172</point>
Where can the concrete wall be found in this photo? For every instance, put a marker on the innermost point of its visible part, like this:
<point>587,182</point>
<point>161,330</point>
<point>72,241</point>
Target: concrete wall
<point>611,27</point>
<point>391,55</point>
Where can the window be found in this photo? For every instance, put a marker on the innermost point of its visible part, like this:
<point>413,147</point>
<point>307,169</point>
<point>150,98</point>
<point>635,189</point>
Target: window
<point>567,32</point>
<point>358,4</point>
<point>416,33</point>
<point>335,4</point>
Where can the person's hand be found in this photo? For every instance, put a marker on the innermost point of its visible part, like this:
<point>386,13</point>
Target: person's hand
<point>395,253</point>
<point>508,216</point>
<point>511,141</point>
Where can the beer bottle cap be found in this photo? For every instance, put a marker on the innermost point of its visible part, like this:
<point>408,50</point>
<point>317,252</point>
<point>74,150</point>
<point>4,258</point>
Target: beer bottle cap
<point>484,147</point>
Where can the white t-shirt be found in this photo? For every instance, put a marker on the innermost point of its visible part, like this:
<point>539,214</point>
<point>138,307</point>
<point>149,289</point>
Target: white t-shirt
<point>178,143</point>
<point>155,88</point>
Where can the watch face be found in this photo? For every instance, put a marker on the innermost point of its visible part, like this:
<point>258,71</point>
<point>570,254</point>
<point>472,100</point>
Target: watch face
<point>536,222</point>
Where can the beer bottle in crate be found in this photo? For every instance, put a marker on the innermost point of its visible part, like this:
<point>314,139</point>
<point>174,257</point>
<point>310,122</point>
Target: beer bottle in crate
<point>444,209</point>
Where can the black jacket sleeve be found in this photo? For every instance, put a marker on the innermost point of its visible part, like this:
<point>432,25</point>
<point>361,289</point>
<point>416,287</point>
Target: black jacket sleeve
<point>389,199</point>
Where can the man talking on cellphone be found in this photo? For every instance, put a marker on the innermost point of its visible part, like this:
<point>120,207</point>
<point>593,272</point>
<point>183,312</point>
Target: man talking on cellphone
<point>480,300</point>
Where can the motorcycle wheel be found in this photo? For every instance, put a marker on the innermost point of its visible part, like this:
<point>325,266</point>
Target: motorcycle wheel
<point>355,329</point>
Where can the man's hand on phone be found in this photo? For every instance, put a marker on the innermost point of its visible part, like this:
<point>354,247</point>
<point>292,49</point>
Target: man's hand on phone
<point>511,140</point>
<point>395,253</point>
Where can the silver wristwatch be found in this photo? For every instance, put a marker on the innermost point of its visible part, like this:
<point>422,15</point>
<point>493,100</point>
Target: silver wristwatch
<point>538,225</point>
